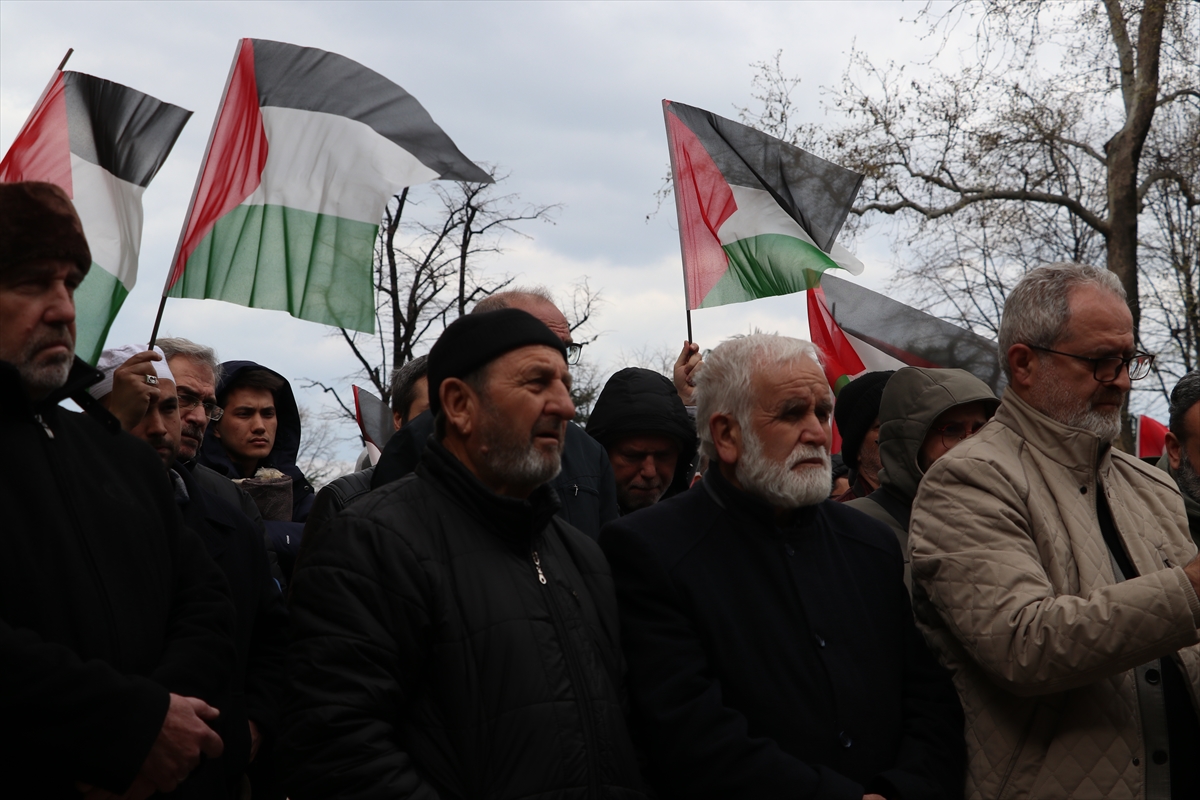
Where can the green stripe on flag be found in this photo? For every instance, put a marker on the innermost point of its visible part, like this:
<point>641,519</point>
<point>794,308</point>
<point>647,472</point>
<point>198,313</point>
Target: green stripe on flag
<point>314,266</point>
<point>97,301</point>
<point>768,265</point>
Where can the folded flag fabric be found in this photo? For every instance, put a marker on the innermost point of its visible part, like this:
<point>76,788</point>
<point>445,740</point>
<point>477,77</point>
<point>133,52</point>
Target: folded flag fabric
<point>373,416</point>
<point>306,150</point>
<point>859,330</point>
<point>758,217</point>
<point>102,143</point>
<point>1151,437</point>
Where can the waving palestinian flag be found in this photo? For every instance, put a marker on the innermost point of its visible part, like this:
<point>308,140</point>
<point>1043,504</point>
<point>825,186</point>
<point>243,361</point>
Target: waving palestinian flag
<point>307,148</point>
<point>102,143</point>
<point>757,216</point>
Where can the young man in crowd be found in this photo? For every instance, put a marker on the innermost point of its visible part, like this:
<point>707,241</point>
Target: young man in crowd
<point>857,417</point>
<point>922,414</point>
<point>1055,574</point>
<point>452,636</point>
<point>772,649</point>
<point>648,434</point>
<point>116,628</point>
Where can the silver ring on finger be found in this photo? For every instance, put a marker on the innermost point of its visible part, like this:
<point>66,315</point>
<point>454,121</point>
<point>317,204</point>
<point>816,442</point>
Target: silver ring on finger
<point>151,379</point>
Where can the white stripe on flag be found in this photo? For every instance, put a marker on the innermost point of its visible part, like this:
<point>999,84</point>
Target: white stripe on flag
<point>758,213</point>
<point>329,164</point>
<point>111,212</point>
<point>872,357</point>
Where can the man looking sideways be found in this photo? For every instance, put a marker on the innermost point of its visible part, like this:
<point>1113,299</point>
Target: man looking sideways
<point>1055,574</point>
<point>771,645</point>
<point>115,625</point>
<point>452,636</point>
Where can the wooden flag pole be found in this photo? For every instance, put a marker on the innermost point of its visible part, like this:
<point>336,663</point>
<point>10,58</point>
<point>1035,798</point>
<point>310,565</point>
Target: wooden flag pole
<point>63,63</point>
<point>689,320</point>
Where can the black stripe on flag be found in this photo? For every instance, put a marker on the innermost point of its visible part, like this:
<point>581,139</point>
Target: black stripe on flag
<point>816,193</point>
<point>307,79</point>
<point>901,330</point>
<point>125,132</point>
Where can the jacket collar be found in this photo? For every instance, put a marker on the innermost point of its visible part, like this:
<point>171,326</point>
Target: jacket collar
<point>1073,448</point>
<point>515,521</point>
<point>81,376</point>
<point>746,505</point>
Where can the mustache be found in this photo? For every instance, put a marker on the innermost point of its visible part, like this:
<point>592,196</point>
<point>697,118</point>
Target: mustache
<point>57,335</point>
<point>193,431</point>
<point>549,426</point>
<point>803,452</point>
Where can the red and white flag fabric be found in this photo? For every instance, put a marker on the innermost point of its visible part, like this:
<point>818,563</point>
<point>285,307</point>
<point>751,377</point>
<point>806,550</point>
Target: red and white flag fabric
<point>306,150</point>
<point>1151,437</point>
<point>102,143</point>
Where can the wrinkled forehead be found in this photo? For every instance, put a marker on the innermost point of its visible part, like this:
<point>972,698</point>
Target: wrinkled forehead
<point>795,379</point>
<point>193,375</point>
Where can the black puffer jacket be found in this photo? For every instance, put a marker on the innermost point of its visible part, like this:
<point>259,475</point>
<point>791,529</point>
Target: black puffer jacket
<point>283,538</point>
<point>107,603</point>
<point>430,660</point>
<point>637,400</point>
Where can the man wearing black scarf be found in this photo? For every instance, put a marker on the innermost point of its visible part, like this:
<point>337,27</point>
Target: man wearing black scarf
<point>452,637</point>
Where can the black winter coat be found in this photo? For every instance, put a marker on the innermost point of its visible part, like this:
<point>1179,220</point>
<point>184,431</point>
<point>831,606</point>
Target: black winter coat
<point>451,643</point>
<point>769,662</point>
<point>106,602</point>
<point>586,488</point>
<point>260,637</point>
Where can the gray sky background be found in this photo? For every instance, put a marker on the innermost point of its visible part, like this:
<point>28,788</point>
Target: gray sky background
<point>566,97</point>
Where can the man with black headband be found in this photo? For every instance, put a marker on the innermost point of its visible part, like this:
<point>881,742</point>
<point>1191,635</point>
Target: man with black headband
<point>452,636</point>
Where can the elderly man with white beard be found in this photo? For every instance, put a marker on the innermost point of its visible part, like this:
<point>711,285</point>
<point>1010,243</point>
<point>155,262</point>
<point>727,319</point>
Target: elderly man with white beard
<point>771,646</point>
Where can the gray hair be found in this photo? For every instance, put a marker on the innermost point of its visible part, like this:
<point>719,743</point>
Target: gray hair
<point>1038,309</point>
<point>1185,395</point>
<point>723,383</point>
<point>499,300</point>
<point>403,388</point>
<point>172,347</point>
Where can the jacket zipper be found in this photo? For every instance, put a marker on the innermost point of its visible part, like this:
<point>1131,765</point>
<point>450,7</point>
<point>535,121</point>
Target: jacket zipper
<point>585,710</point>
<point>109,616</point>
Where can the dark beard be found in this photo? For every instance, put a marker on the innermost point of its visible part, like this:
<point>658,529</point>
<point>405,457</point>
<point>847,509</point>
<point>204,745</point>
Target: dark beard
<point>1186,477</point>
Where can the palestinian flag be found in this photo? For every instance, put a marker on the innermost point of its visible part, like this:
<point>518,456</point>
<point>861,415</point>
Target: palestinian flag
<point>306,150</point>
<point>102,143</point>
<point>757,216</point>
<point>858,331</point>
<point>1151,440</point>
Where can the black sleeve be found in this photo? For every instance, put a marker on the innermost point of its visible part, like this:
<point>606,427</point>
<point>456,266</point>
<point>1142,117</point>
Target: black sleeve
<point>98,722</point>
<point>265,665</point>
<point>931,760</point>
<point>698,746</point>
<point>358,647</point>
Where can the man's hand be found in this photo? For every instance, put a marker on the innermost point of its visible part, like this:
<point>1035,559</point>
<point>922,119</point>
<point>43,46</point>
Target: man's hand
<point>1192,570</point>
<point>184,737</point>
<point>684,374</point>
<point>255,739</point>
<point>131,395</point>
<point>874,797</point>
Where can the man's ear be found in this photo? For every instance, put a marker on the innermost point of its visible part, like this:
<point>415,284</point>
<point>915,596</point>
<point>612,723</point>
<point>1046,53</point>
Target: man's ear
<point>458,405</point>
<point>727,437</point>
<point>1174,450</point>
<point>1022,364</point>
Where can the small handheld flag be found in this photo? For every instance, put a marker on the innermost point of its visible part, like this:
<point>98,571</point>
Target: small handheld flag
<point>102,143</point>
<point>757,217</point>
<point>306,149</point>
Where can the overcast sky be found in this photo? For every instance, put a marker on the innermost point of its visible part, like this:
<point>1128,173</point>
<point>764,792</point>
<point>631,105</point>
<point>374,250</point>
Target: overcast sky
<point>566,97</point>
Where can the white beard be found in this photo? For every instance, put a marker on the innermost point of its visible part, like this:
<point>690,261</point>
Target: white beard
<point>777,483</point>
<point>1056,402</point>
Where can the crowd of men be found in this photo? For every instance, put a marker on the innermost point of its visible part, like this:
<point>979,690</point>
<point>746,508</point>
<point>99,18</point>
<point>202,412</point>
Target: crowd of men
<point>675,602</point>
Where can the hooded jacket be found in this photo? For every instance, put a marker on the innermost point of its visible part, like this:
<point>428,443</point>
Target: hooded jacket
<point>282,537</point>
<point>912,401</point>
<point>638,401</point>
<point>107,603</point>
<point>1056,658</point>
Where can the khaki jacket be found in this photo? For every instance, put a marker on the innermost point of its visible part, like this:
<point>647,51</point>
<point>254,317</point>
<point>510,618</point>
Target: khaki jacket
<point>1016,592</point>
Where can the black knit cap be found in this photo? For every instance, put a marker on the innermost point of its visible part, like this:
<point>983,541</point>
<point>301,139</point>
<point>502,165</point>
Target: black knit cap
<point>38,222</point>
<point>856,410</point>
<point>472,341</point>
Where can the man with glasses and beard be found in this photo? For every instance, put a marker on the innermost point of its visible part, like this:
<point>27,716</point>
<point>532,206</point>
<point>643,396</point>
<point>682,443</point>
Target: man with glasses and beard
<point>1055,574</point>
<point>771,645</point>
<point>1183,446</point>
<point>452,637</point>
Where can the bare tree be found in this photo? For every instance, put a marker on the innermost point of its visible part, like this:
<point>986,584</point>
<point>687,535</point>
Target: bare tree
<point>426,274</point>
<point>997,163</point>
<point>317,457</point>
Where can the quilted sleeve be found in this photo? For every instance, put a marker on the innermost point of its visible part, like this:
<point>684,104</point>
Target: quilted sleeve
<point>974,553</point>
<point>358,615</point>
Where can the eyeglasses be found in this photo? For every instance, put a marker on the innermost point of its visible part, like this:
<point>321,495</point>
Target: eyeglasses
<point>955,432</point>
<point>574,351</point>
<point>1107,370</point>
<point>188,401</point>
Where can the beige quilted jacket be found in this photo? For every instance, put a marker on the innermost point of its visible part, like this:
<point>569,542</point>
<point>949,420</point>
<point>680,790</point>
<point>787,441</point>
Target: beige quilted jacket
<point>1016,592</point>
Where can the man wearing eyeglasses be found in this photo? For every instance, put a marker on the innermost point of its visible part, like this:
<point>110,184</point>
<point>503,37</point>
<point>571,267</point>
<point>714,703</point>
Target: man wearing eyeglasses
<point>923,413</point>
<point>1055,574</point>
